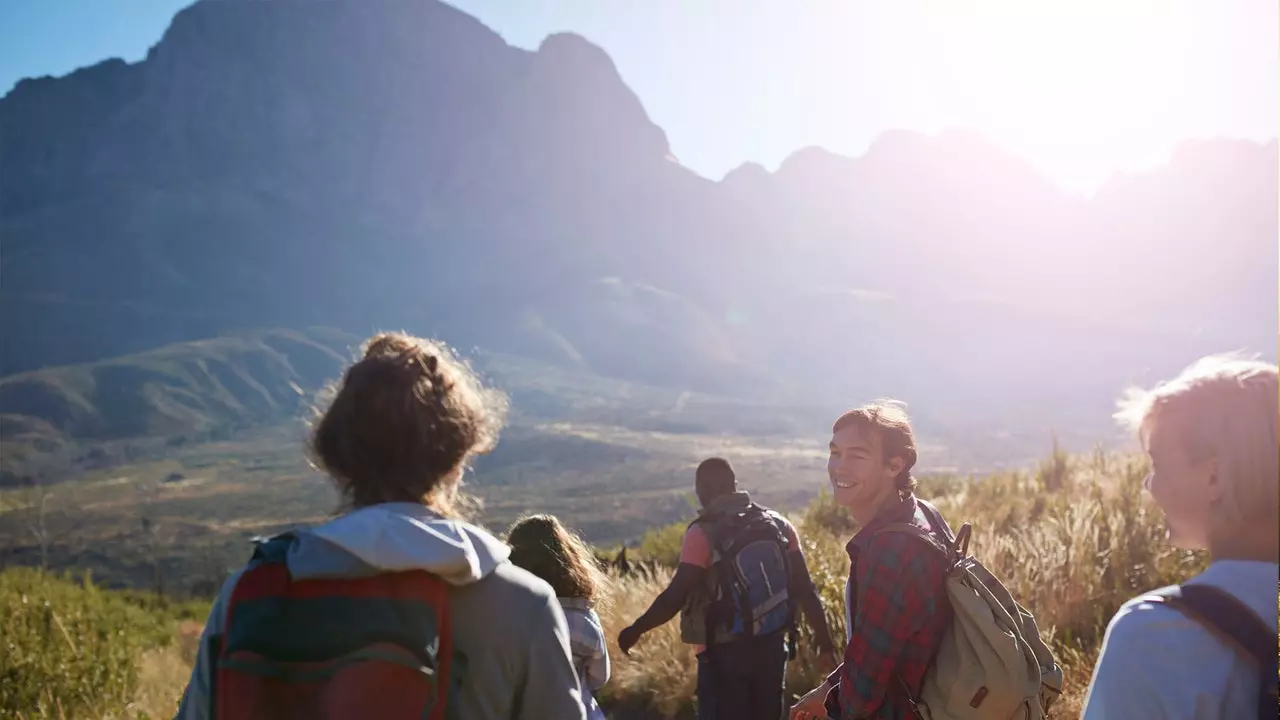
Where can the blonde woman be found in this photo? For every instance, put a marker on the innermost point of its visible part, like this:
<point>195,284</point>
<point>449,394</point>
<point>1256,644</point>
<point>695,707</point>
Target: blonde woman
<point>1205,649</point>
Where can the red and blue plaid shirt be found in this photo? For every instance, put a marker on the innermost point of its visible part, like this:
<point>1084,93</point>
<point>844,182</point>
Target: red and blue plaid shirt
<point>899,612</point>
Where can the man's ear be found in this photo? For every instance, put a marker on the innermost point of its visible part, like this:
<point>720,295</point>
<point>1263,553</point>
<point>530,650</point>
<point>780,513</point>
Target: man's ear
<point>1215,488</point>
<point>895,466</point>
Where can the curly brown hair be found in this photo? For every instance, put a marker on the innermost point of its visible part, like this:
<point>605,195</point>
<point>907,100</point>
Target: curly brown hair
<point>542,545</point>
<point>404,421</point>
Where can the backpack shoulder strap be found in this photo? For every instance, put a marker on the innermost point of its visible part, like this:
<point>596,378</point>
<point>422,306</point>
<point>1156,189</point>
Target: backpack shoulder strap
<point>781,524</point>
<point>773,517</point>
<point>721,527</point>
<point>266,574</point>
<point>710,523</point>
<point>1236,623</point>
<point>918,532</point>
<point>1225,616</point>
<point>937,521</point>
<point>272,549</point>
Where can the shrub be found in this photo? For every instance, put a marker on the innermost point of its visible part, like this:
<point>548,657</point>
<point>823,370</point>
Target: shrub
<point>823,512</point>
<point>69,649</point>
<point>662,544</point>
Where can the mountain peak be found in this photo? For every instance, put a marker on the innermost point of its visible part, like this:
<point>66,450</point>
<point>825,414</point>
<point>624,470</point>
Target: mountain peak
<point>812,159</point>
<point>746,172</point>
<point>338,26</point>
<point>595,103</point>
<point>574,47</point>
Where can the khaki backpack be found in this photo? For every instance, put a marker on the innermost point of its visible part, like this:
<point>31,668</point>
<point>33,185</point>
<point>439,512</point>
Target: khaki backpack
<point>991,663</point>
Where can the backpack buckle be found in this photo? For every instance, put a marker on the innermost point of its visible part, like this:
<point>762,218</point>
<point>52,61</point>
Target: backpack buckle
<point>960,546</point>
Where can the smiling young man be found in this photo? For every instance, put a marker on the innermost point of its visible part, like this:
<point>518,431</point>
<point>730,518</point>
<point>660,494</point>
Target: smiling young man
<point>896,604</point>
<point>1205,649</point>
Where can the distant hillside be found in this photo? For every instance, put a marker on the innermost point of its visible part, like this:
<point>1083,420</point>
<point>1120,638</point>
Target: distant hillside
<point>432,176</point>
<point>215,395</point>
<point>189,387</point>
<point>58,419</point>
<point>252,378</point>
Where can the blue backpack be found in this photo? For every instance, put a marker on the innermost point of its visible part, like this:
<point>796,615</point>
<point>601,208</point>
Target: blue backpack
<point>751,572</point>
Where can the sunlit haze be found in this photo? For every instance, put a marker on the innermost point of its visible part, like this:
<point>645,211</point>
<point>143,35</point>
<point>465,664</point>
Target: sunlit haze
<point>1079,88</point>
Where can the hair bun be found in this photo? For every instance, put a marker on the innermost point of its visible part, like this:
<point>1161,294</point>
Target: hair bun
<point>388,344</point>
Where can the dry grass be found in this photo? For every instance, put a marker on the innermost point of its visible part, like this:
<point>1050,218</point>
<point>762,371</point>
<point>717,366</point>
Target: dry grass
<point>1072,541</point>
<point>163,672</point>
<point>658,673</point>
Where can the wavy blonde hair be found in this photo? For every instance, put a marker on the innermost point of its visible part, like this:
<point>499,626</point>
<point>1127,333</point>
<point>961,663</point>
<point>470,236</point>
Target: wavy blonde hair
<point>1230,407</point>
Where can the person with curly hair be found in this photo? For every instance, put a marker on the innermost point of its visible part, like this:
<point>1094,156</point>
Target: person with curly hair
<point>397,594</point>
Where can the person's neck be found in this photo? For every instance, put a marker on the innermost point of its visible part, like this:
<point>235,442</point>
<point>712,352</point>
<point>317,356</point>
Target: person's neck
<point>890,499</point>
<point>1256,546</point>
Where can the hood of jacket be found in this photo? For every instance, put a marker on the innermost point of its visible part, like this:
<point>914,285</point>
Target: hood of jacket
<point>395,537</point>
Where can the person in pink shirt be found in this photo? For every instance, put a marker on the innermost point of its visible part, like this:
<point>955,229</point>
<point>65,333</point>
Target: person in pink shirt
<point>741,577</point>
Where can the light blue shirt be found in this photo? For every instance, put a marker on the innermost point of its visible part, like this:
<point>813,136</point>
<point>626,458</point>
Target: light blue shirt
<point>1157,662</point>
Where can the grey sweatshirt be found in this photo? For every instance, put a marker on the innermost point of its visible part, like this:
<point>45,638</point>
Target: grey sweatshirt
<point>506,621</point>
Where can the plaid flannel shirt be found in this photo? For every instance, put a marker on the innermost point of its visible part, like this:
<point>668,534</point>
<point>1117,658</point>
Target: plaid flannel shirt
<point>900,612</point>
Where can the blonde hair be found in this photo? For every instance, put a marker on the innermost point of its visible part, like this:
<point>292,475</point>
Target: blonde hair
<point>888,419</point>
<point>1231,409</point>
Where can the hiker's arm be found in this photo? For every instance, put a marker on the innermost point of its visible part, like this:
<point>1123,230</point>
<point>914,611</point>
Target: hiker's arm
<point>695,558</point>
<point>669,601</point>
<point>898,581</point>
<point>810,603</point>
<point>196,698</point>
<point>550,687</point>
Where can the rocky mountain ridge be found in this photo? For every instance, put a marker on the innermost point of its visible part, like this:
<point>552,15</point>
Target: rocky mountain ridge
<point>394,163</point>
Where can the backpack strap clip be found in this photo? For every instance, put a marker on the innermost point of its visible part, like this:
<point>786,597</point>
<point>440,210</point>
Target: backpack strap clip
<point>960,545</point>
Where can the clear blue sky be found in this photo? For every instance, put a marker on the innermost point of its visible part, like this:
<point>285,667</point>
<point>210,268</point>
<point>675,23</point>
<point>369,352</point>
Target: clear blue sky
<point>1078,87</point>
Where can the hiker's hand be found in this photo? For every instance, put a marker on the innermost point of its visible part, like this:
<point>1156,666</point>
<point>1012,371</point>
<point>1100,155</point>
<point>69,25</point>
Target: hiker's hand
<point>627,639</point>
<point>813,706</point>
<point>827,661</point>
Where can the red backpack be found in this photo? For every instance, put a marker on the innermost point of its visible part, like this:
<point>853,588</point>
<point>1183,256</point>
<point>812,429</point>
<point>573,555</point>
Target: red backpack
<point>377,646</point>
